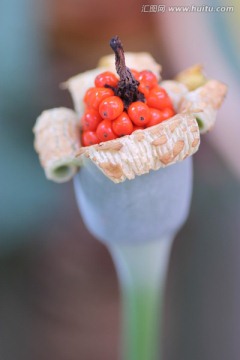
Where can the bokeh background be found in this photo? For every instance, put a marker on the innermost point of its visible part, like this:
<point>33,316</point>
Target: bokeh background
<point>59,297</point>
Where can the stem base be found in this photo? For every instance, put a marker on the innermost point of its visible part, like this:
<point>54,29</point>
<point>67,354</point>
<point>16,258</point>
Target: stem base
<point>142,271</point>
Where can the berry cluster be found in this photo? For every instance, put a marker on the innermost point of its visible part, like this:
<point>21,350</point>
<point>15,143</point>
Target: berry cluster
<point>106,117</point>
<point>118,106</point>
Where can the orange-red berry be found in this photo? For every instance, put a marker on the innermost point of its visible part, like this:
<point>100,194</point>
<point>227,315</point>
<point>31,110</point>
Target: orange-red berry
<point>89,138</point>
<point>156,117</point>
<point>94,96</point>
<point>139,113</point>
<point>111,107</point>
<point>90,120</point>
<point>148,78</point>
<point>104,130</point>
<point>122,125</point>
<point>158,98</point>
<point>106,78</point>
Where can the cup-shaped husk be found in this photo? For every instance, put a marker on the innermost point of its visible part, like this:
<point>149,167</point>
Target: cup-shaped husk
<point>149,208</point>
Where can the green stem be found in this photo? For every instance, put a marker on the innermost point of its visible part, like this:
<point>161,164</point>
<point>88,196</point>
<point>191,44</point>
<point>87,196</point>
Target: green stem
<point>141,320</point>
<point>142,270</point>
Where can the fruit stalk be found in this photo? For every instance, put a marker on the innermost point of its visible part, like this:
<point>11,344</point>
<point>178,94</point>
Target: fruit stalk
<point>127,88</point>
<point>142,272</point>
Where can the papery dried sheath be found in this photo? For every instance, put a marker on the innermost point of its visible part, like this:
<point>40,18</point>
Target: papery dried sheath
<point>151,149</point>
<point>204,103</point>
<point>57,141</point>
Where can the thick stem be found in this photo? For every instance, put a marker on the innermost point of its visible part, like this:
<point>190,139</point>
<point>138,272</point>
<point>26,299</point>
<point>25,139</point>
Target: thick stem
<point>127,88</point>
<point>123,72</point>
<point>142,271</point>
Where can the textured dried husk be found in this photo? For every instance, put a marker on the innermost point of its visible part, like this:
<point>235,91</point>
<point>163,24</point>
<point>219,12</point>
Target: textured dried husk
<point>57,142</point>
<point>204,102</point>
<point>151,149</point>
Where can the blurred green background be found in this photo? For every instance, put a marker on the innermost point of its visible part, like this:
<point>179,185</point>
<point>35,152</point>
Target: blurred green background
<point>58,289</point>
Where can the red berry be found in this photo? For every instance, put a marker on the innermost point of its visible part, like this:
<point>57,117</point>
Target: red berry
<point>122,125</point>
<point>104,131</point>
<point>148,78</point>
<point>139,113</point>
<point>94,96</point>
<point>158,98</point>
<point>111,107</point>
<point>89,138</point>
<point>90,120</point>
<point>168,113</point>
<point>106,78</point>
<point>156,117</point>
